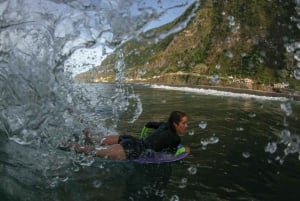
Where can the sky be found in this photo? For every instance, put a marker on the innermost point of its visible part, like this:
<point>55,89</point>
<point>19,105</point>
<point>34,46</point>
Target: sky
<point>156,12</point>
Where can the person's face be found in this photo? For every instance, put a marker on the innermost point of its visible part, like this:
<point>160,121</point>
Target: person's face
<point>182,125</point>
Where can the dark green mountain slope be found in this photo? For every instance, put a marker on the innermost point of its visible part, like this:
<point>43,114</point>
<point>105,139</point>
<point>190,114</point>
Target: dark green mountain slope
<point>234,43</point>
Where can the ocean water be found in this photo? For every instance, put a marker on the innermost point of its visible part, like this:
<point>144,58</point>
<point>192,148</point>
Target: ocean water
<point>243,147</point>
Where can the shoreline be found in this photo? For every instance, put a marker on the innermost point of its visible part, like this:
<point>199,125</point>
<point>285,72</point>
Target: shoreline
<point>289,96</point>
<point>250,92</point>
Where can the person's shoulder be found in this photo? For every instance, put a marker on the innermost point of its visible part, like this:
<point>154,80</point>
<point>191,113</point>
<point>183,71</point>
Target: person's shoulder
<point>154,125</point>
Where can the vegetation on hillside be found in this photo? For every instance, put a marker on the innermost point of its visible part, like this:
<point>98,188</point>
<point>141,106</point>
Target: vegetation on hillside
<point>231,39</point>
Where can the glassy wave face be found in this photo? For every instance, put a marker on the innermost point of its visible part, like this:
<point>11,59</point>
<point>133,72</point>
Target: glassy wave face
<point>42,45</point>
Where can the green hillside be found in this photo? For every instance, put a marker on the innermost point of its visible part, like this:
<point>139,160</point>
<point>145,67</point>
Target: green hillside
<point>229,42</point>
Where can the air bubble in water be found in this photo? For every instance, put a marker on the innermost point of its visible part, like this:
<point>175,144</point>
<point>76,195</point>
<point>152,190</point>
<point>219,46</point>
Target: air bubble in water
<point>203,124</point>
<point>271,147</point>
<point>192,170</point>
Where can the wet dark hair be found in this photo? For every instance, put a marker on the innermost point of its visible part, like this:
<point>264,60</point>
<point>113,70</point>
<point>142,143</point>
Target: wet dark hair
<point>175,117</point>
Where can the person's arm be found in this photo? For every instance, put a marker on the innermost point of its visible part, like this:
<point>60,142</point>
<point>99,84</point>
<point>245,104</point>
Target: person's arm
<point>187,149</point>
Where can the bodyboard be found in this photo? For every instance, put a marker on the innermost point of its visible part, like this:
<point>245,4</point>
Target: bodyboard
<point>160,157</point>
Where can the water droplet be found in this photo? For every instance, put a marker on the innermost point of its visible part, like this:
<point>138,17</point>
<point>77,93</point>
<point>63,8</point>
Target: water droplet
<point>297,8</point>
<point>191,132</point>
<point>65,179</point>
<point>289,48</point>
<point>286,108</point>
<point>240,129</point>
<point>285,122</point>
<point>97,184</point>
<point>246,154</point>
<point>142,72</point>
<point>183,183</point>
<point>174,198</point>
<point>297,74</point>
<point>192,170</point>
<point>214,79</point>
<point>211,140</point>
<point>231,20</point>
<point>297,55</point>
<point>75,169</point>
<point>229,54</point>
<point>54,182</point>
<point>203,124</point>
<point>252,115</point>
<point>271,147</point>
<point>297,45</point>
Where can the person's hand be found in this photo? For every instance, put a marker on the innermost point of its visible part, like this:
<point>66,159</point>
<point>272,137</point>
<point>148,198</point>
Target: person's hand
<point>187,149</point>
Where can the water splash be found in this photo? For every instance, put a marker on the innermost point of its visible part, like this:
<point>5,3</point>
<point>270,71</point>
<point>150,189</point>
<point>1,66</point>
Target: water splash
<point>125,100</point>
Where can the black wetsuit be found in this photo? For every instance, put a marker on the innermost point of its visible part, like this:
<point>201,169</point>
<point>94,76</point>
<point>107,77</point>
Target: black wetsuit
<point>162,139</point>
